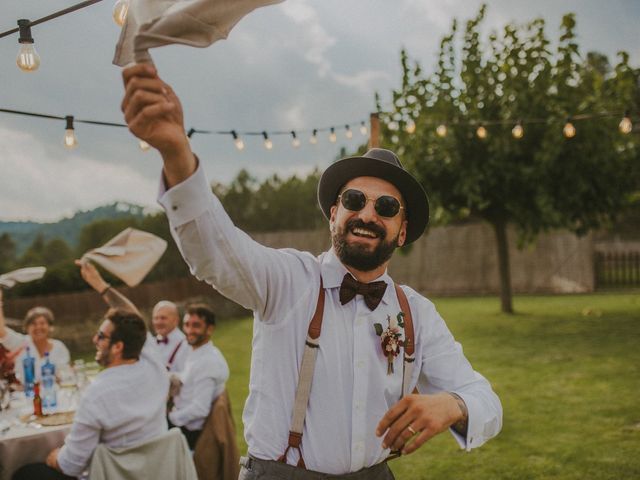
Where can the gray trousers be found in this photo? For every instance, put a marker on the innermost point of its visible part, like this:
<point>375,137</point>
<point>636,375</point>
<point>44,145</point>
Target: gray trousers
<point>256,469</point>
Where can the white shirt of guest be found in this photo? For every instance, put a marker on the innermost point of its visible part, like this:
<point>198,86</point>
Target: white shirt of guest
<point>58,355</point>
<point>203,379</point>
<point>166,350</point>
<point>123,407</point>
<point>351,390</point>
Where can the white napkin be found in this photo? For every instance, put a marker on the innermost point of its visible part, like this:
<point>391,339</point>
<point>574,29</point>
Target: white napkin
<point>22,275</point>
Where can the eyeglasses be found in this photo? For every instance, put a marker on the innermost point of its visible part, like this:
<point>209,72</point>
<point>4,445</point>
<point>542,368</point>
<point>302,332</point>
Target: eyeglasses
<point>102,336</point>
<point>355,200</point>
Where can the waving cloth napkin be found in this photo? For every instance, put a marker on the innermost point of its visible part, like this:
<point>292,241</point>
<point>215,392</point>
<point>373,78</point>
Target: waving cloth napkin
<point>130,255</point>
<point>22,275</point>
<point>199,23</point>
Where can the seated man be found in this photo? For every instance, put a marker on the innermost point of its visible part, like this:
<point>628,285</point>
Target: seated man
<point>171,342</point>
<point>204,375</point>
<point>123,407</point>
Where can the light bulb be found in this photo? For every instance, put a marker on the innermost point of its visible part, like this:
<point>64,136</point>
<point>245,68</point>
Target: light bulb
<point>517,131</point>
<point>313,139</point>
<point>441,131</point>
<point>348,133</point>
<point>295,140</point>
<point>237,141</point>
<point>120,10</point>
<point>333,138</point>
<point>625,125</point>
<point>70,140</point>
<point>268,144</point>
<point>569,130</point>
<point>28,59</point>
<point>144,146</point>
<point>481,132</point>
<point>410,127</point>
<point>363,129</point>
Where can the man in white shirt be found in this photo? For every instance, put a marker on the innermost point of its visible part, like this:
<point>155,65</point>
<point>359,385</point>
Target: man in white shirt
<point>356,413</point>
<point>124,406</point>
<point>170,341</point>
<point>204,375</point>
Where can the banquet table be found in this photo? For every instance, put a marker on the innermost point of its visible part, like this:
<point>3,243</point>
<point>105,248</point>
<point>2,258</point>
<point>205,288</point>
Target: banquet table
<point>23,443</point>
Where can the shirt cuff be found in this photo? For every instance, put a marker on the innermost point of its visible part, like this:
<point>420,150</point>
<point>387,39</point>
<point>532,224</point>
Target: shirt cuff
<point>67,465</point>
<point>475,427</point>
<point>187,200</point>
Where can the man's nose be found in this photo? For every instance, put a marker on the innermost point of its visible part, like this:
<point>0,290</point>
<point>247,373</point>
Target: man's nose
<point>368,213</point>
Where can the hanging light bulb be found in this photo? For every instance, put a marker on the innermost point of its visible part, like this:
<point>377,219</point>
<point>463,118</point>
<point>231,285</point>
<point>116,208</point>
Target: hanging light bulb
<point>144,146</point>
<point>70,140</point>
<point>268,144</point>
<point>569,130</point>
<point>410,127</point>
<point>363,129</point>
<point>237,141</point>
<point>625,125</point>
<point>313,139</point>
<point>28,59</point>
<point>120,10</point>
<point>441,131</point>
<point>518,130</point>
<point>295,141</point>
<point>333,138</point>
<point>347,132</point>
<point>481,132</point>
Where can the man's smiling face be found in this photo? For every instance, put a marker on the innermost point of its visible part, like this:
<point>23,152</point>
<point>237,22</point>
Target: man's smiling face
<point>364,239</point>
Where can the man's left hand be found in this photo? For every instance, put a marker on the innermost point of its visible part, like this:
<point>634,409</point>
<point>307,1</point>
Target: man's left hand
<point>419,416</point>
<point>52,459</point>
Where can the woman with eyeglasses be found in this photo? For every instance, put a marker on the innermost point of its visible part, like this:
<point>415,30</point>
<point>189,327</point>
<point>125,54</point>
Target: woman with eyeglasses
<point>38,326</point>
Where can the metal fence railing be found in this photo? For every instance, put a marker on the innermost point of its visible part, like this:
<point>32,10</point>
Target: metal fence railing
<point>617,269</point>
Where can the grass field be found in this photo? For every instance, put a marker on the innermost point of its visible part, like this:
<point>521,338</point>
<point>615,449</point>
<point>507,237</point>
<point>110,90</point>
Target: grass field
<point>567,369</point>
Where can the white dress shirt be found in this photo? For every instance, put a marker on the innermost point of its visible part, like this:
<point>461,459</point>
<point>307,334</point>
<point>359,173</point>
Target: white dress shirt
<point>123,407</point>
<point>203,379</point>
<point>58,355</point>
<point>166,350</point>
<point>351,390</point>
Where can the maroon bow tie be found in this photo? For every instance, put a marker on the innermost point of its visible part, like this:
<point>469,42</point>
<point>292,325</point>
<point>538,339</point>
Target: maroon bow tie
<point>372,292</point>
<point>164,340</point>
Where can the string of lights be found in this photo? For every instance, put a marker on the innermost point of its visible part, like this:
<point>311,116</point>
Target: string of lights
<point>70,139</point>
<point>442,129</point>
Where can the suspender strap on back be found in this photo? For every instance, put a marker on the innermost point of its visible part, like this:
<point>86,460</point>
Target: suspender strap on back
<point>304,381</point>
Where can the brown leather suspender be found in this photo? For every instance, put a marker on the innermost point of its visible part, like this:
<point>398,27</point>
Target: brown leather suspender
<point>307,367</point>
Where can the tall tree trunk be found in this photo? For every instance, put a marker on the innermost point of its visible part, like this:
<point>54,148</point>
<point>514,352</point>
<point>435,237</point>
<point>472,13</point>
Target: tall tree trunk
<point>500,229</point>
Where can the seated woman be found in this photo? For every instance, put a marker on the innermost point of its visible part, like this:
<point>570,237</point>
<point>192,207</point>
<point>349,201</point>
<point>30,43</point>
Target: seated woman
<point>38,325</point>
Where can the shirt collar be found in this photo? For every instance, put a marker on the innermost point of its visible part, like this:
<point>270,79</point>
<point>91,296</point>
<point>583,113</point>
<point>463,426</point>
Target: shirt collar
<point>333,271</point>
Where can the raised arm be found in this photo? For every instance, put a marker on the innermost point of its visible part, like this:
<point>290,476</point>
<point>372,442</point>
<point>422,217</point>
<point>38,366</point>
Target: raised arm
<point>110,295</point>
<point>3,325</point>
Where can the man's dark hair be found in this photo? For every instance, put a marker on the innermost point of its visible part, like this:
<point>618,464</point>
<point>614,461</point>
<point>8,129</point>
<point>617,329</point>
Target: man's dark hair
<point>128,328</point>
<point>203,311</point>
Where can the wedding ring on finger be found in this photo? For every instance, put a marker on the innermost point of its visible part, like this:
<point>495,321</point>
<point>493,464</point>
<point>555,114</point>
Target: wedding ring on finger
<point>410,428</point>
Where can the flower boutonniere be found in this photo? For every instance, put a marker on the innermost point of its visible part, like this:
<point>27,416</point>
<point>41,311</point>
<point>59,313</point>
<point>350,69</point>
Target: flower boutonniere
<point>390,338</point>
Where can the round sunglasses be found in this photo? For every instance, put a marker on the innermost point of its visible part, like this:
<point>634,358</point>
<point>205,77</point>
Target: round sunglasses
<point>355,200</point>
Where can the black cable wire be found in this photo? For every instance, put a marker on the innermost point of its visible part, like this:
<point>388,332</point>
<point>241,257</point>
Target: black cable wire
<point>57,14</point>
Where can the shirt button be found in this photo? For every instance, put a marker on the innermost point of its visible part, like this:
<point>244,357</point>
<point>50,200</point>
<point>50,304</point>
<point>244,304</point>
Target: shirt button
<point>174,207</point>
<point>360,363</point>
<point>359,321</point>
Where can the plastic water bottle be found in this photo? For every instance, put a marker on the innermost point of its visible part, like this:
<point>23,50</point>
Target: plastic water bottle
<point>29,366</point>
<point>48,394</point>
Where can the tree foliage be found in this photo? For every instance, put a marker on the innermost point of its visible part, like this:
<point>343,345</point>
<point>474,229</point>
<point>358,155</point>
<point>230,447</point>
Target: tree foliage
<point>539,182</point>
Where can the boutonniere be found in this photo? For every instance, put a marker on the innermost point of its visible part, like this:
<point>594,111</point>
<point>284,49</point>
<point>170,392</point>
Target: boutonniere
<point>390,338</point>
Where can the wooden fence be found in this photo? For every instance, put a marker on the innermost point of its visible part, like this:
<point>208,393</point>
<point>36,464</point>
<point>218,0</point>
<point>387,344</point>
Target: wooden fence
<point>617,269</point>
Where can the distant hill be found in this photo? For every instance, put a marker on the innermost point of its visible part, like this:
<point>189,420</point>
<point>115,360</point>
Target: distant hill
<point>23,233</point>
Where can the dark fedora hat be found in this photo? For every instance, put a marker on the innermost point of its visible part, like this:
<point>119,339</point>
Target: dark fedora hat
<point>383,164</point>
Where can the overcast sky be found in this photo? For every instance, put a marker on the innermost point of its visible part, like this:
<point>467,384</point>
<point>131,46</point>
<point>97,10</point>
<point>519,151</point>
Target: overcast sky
<point>298,65</point>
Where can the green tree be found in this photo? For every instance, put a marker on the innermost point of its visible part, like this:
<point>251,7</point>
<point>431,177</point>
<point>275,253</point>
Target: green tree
<point>7,253</point>
<point>538,182</point>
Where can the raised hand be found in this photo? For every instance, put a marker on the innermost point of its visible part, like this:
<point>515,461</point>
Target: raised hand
<point>91,275</point>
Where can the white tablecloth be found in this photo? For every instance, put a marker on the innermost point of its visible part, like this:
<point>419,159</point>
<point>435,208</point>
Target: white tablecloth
<point>23,444</point>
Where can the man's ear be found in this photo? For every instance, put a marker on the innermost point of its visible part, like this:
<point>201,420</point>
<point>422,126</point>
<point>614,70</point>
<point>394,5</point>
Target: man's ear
<point>210,330</point>
<point>402,234</point>
<point>117,348</point>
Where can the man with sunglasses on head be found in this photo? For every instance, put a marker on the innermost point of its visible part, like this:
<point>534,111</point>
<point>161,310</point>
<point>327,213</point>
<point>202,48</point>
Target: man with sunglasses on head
<point>124,406</point>
<point>346,366</point>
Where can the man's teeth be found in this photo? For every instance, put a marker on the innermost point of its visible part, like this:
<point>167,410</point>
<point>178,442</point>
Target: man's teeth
<point>364,233</point>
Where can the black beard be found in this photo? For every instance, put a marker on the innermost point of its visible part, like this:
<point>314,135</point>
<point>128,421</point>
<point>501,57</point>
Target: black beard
<point>357,256</point>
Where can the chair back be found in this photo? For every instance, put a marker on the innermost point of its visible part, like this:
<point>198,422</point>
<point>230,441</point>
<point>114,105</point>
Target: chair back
<point>164,457</point>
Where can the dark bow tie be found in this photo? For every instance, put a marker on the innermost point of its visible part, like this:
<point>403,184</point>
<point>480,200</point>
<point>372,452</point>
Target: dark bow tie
<point>372,292</point>
<point>164,340</point>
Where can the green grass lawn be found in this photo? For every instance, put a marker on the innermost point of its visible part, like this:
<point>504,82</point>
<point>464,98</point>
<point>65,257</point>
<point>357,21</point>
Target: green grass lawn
<point>567,369</point>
